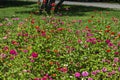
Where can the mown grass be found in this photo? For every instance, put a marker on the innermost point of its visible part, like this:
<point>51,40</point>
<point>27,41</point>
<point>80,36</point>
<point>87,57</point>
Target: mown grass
<point>24,9</point>
<point>77,43</point>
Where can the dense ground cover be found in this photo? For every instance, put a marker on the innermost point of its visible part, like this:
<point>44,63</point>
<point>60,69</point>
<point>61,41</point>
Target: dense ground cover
<point>82,43</point>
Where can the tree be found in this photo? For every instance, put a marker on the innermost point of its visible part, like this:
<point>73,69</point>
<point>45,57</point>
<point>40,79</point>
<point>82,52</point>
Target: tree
<point>48,5</point>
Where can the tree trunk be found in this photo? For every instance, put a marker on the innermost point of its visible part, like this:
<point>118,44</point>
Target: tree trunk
<point>58,5</point>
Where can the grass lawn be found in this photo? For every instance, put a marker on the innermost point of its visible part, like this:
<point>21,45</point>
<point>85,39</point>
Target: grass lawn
<point>78,43</point>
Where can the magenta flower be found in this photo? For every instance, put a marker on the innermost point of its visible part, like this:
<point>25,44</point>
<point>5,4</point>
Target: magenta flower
<point>77,74</point>
<point>119,69</point>
<point>13,52</point>
<point>107,41</point>
<point>116,59</point>
<point>97,71</point>
<point>25,51</point>
<point>43,33</point>
<point>91,40</point>
<point>89,34</point>
<point>64,69</point>
<point>34,55</point>
<point>15,19</point>
<point>109,74</point>
<point>104,69</point>
<point>85,73</point>
<point>113,72</point>
<point>116,53</point>
<point>90,79</point>
<point>94,73</point>
<point>110,44</point>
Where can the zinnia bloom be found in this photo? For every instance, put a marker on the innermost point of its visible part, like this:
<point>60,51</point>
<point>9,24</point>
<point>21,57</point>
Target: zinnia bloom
<point>107,41</point>
<point>116,59</point>
<point>77,74</point>
<point>90,78</point>
<point>34,55</point>
<point>64,69</point>
<point>53,4</point>
<point>119,69</point>
<point>13,52</point>
<point>104,69</point>
<point>85,73</point>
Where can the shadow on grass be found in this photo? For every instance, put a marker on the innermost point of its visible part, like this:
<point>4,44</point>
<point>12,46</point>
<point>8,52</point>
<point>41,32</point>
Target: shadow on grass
<point>6,3</point>
<point>74,10</point>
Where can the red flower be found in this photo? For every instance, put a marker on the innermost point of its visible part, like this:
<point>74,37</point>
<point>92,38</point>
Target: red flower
<point>36,79</point>
<point>44,1</point>
<point>108,50</point>
<point>60,29</point>
<point>52,8</point>
<point>14,42</point>
<point>53,4</point>
<point>64,69</point>
<point>43,33</point>
<point>34,55</point>
<point>32,21</point>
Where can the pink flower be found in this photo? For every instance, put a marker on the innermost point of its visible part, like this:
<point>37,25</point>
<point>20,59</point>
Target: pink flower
<point>15,19</point>
<point>60,29</point>
<point>89,34</point>
<point>113,72</point>
<point>97,71</point>
<point>5,48</point>
<point>34,55</point>
<point>79,41</point>
<point>91,40</point>
<point>77,32</point>
<point>77,74</point>
<point>93,72</point>
<point>5,37</point>
<point>119,69</point>
<point>25,51</point>
<point>64,69</point>
<point>109,74</point>
<point>110,44</point>
<point>104,69</point>
<point>85,73</point>
<point>2,55</point>
<point>13,52</point>
<point>116,59</point>
<point>1,24</point>
<point>90,79</point>
<point>32,60</point>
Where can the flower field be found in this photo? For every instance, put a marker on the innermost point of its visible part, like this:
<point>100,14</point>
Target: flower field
<point>54,48</point>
